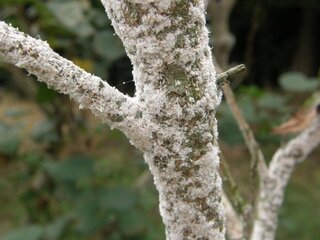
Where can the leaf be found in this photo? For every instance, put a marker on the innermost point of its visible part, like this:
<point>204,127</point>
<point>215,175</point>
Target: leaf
<point>88,224</point>
<point>73,169</point>
<point>132,223</point>
<point>107,45</point>
<point>17,112</point>
<point>272,101</point>
<point>45,132</point>
<point>246,104</point>
<point>54,230</point>
<point>89,214</point>
<point>45,94</point>
<point>228,129</point>
<point>10,140</point>
<point>26,233</point>
<point>71,14</point>
<point>99,18</point>
<point>118,198</point>
<point>297,82</point>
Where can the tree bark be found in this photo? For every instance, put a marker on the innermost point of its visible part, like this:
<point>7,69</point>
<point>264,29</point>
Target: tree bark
<point>272,188</point>
<point>167,43</point>
<point>171,118</point>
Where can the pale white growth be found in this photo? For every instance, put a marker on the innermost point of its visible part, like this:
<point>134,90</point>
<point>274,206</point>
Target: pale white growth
<point>234,224</point>
<point>171,41</point>
<point>191,100</point>
<point>171,118</point>
<point>89,91</point>
<point>272,188</point>
<point>144,1</point>
<point>159,21</point>
<point>178,111</point>
<point>164,5</point>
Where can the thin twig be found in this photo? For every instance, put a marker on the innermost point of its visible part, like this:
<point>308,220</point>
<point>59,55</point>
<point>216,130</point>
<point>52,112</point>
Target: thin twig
<point>272,190</point>
<point>258,166</point>
<point>253,146</point>
<point>221,77</point>
<point>236,199</point>
<point>257,156</point>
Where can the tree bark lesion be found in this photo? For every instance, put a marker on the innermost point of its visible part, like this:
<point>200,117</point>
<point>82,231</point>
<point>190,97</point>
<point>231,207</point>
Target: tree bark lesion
<point>177,135</point>
<point>37,58</point>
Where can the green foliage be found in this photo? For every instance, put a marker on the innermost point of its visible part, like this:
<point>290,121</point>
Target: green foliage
<point>9,140</point>
<point>298,82</point>
<point>81,202</point>
<point>77,28</point>
<point>301,222</point>
<point>72,15</point>
<point>52,231</point>
<point>44,94</point>
<point>45,132</point>
<point>50,193</point>
<point>273,101</point>
<point>260,106</point>
<point>27,233</point>
<point>107,45</point>
<point>75,168</point>
<point>257,106</point>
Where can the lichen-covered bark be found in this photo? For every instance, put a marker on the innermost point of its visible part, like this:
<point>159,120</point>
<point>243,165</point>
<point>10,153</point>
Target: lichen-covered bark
<point>89,91</point>
<point>272,188</point>
<point>167,42</point>
<point>171,118</point>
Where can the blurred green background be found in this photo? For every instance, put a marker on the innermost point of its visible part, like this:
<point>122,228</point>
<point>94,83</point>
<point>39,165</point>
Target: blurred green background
<point>64,175</point>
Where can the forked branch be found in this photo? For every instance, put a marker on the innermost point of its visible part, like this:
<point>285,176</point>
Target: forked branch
<point>273,187</point>
<point>37,58</point>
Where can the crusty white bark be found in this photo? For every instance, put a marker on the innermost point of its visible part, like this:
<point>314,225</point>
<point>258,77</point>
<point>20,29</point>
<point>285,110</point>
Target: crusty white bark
<point>171,119</point>
<point>167,42</point>
<point>234,224</point>
<point>273,187</point>
<point>37,58</point>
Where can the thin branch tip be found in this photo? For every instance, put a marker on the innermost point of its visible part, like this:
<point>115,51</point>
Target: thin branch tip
<point>230,73</point>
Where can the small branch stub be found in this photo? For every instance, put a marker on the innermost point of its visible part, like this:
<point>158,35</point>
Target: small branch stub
<point>223,78</point>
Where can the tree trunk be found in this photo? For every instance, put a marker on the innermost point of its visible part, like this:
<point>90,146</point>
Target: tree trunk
<point>171,118</point>
<point>167,43</point>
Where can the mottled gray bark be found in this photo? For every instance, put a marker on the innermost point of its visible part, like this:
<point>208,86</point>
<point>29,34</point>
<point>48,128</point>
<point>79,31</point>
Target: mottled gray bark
<point>272,188</point>
<point>171,118</point>
<point>167,42</point>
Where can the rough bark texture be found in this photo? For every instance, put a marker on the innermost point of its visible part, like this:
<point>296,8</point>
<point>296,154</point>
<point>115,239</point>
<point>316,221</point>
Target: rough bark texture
<point>273,186</point>
<point>171,119</point>
<point>167,43</point>
<point>89,91</point>
<point>234,224</point>
<point>223,43</point>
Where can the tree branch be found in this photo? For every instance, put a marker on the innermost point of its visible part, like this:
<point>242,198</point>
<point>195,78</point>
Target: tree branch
<point>234,223</point>
<point>230,183</point>
<point>225,76</point>
<point>272,188</point>
<point>89,91</point>
<point>224,41</point>
<point>167,42</point>
<point>253,146</point>
<point>234,211</point>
